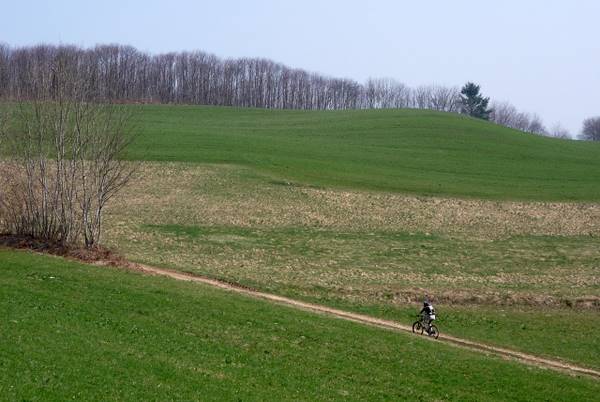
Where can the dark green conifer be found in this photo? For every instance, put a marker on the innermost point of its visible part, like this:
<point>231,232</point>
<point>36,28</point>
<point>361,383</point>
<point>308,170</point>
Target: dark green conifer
<point>473,103</point>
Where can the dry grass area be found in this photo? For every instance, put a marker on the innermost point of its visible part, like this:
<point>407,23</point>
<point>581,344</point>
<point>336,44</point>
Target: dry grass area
<point>234,196</point>
<point>237,224</point>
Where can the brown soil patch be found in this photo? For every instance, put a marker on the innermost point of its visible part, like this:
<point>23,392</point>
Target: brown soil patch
<point>94,255</point>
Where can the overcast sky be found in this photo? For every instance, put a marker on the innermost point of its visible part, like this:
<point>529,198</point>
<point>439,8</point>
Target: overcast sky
<point>542,56</point>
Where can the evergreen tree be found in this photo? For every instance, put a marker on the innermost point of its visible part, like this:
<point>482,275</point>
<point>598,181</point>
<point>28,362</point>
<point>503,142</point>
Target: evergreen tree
<point>473,103</point>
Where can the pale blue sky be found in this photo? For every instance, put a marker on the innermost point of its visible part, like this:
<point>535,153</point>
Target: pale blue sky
<point>542,56</point>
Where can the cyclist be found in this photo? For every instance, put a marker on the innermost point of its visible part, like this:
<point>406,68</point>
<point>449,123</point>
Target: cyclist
<point>427,314</point>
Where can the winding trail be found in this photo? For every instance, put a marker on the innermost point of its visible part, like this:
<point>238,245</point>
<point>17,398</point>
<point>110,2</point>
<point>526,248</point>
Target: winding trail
<point>372,321</point>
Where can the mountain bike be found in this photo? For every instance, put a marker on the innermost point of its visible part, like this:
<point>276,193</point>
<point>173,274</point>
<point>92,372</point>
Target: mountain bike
<point>419,327</point>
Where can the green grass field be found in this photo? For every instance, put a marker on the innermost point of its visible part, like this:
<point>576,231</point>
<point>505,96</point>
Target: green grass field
<point>72,331</point>
<point>411,151</point>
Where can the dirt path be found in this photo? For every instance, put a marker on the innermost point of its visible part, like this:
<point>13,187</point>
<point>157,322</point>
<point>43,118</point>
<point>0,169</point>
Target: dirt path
<point>376,322</point>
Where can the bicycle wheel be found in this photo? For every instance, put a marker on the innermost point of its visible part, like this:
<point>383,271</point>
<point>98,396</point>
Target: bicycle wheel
<point>417,327</point>
<point>433,331</point>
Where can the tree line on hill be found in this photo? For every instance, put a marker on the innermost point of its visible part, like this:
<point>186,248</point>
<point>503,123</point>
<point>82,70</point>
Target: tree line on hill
<point>124,74</point>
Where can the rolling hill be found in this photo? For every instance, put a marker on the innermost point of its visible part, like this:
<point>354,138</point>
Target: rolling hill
<point>406,151</point>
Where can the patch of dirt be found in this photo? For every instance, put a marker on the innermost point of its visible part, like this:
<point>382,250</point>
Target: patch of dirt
<point>101,255</point>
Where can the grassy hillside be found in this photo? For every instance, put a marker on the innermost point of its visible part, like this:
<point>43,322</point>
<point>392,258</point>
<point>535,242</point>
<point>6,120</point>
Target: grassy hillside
<point>411,151</point>
<point>501,272</point>
<point>80,332</point>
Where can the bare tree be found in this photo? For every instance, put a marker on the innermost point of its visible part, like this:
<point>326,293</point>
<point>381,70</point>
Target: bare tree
<point>422,97</point>
<point>558,131</point>
<point>507,115</point>
<point>522,121</point>
<point>591,129</point>
<point>64,146</point>
<point>504,113</point>
<point>4,72</point>
<point>536,126</point>
<point>444,99</point>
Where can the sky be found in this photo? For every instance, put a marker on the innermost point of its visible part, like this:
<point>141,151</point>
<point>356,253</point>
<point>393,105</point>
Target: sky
<point>541,56</point>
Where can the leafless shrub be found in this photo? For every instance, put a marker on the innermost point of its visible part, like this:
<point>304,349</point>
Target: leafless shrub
<point>63,146</point>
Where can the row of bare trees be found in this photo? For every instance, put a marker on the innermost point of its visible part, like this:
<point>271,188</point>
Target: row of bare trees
<point>122,73</point>
<point>505,114</point>
<point>61,145</point>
